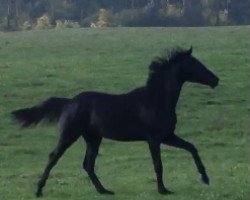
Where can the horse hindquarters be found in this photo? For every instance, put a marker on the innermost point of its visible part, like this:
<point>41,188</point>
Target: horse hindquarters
<point>77,118</point>
<point>71,130</point>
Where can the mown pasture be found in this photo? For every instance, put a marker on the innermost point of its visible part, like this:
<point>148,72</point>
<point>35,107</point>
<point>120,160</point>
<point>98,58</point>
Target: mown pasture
<point>36,65</point>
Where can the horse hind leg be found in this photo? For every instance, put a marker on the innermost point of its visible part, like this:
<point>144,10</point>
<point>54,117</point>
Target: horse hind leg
<point>67,138</point>
<point>93,145</point>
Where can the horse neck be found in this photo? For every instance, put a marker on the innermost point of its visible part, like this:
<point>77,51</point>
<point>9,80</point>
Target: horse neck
<point>165,96</point>
<point>171,98</point>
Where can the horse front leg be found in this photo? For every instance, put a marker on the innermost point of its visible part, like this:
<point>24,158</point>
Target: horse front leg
<point>178,142</point>
<point>155,151</point>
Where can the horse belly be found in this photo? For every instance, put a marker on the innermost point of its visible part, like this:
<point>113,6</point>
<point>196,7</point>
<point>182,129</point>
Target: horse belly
<point>122,130</point>
<point>123,135</point>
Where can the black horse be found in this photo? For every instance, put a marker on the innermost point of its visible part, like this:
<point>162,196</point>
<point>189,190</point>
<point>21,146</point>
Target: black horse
<point>144,114</point>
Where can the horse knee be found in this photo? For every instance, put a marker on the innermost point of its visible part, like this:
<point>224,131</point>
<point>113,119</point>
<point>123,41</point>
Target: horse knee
<point>89,170</point>
<point>87,167</point>
<point>193,149</point>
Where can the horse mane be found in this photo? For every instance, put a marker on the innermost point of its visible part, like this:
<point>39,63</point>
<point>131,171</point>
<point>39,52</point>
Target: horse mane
<point>168,60</point>
<point>162,64</point>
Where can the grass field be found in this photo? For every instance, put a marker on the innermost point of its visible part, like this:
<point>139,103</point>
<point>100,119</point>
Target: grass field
<point>38,64</point>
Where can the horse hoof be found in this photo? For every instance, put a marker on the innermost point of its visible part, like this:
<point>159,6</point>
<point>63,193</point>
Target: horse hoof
<point>109,192</point>
<point>106,192</point>
<point>205,179</point>
<point>39,194</point>
<point>165,191</point>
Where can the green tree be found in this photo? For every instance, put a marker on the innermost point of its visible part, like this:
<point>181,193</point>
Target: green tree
<point>239,11</point>
<point>193,12</point>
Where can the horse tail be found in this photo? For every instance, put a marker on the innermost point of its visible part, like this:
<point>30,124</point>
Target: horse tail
<point>50,110</point>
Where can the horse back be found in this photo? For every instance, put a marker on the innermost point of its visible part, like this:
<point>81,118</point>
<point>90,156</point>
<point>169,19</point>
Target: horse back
<point>112,116</point>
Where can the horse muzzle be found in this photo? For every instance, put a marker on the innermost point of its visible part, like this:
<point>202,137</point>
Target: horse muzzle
<point>214,83</point>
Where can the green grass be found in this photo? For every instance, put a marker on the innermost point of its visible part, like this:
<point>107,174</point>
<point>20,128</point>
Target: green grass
<point>38,64</point>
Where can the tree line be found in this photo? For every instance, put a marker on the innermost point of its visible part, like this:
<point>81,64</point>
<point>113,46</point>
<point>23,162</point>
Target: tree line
<point>18,14</point>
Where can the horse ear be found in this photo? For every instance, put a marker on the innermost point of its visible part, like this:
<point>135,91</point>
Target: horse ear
<point>190,50</point>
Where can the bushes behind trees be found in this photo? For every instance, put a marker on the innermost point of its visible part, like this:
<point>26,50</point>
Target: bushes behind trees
<point>44,14</point>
